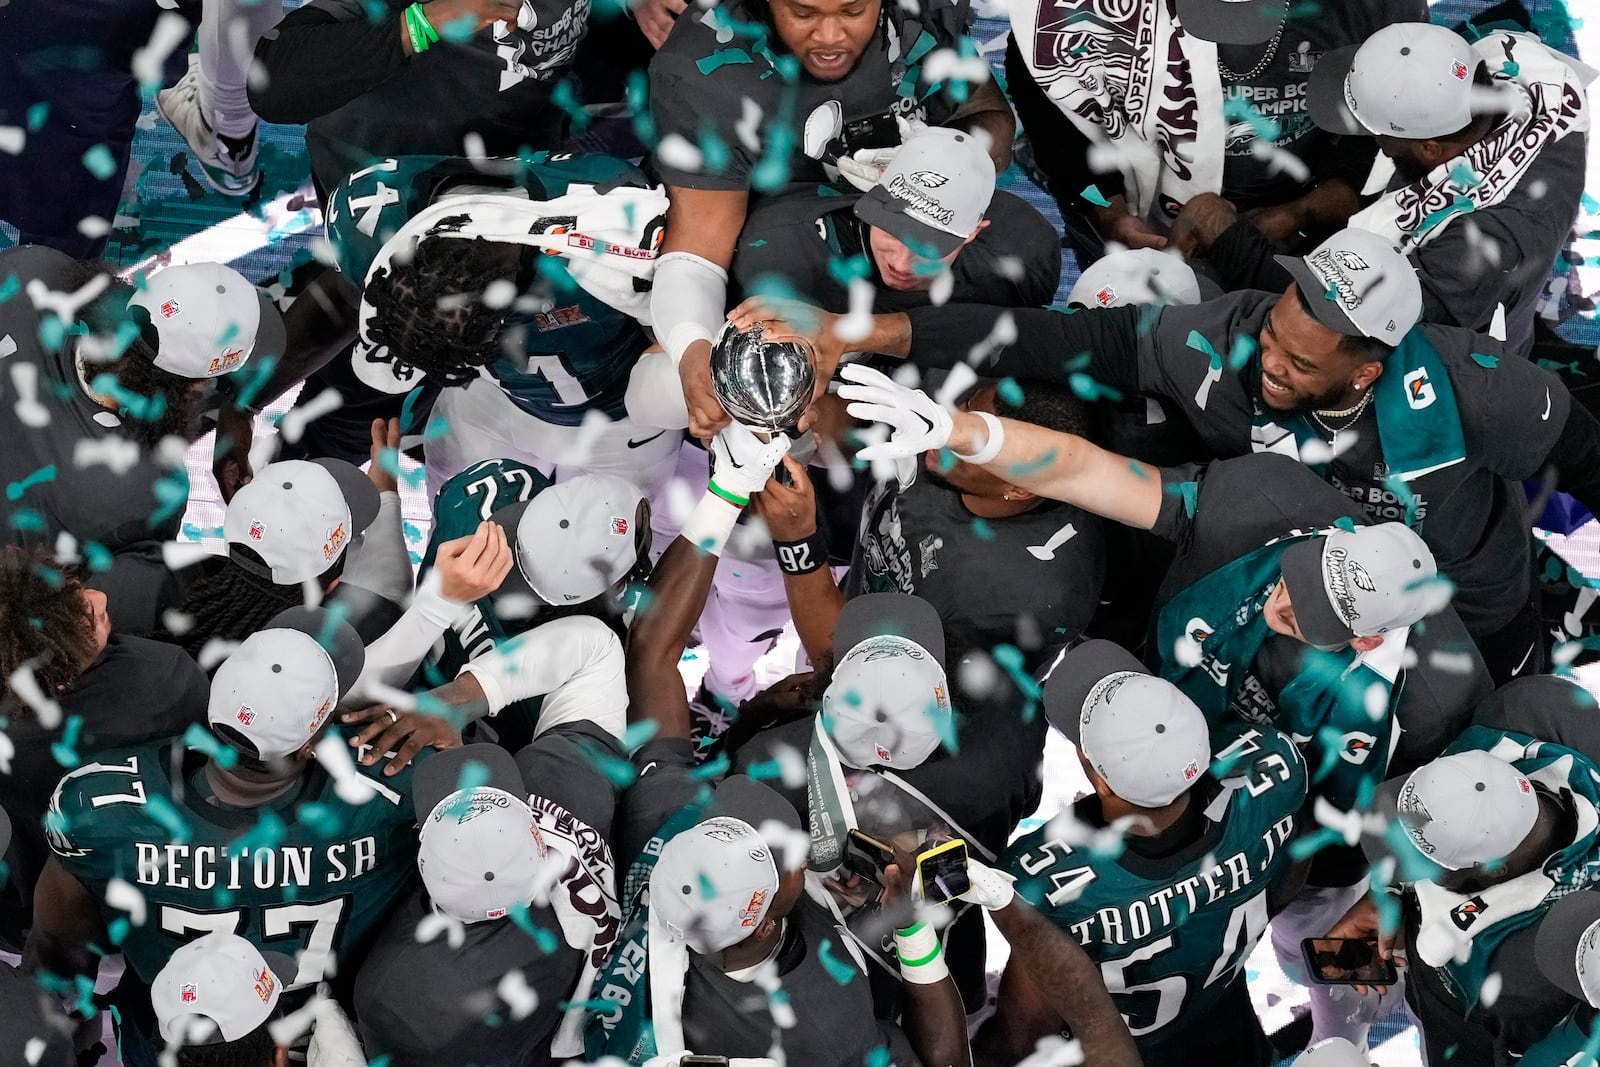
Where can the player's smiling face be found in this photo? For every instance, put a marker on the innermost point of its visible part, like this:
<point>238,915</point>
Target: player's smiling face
<point>1278,613</point>
<point>827,36</point>
<point>1301,364</point>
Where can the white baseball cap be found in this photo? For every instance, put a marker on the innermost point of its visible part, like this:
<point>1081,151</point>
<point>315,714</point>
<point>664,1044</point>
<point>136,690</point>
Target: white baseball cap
<point>575,540</point>
<point>888,704</point>
<point>480,852</point>
<point>1333,1052</point>
<point>1409,79</point>
<point>934,193</point>
<point>1359,285</point>
<point>218,987</point>
<point>1567,946</point>
<point>1359,583</point>
<point>1136,276</point>
<point>283,681</point>
<point>298,516</point>
<point>1148,741</point>
<point>1465,809</point>
<point>209,319</point>
<point>714,883</point>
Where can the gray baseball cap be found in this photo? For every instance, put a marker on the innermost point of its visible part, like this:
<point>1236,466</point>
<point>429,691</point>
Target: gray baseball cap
<point>1567,946</point>
<point>715,882</point>
<point>934,193</point>
<point>217,988</point>
<point>298,516</point>
<point>283,681</point>
<point>888,704</point>
<point>1232,21</point>
<point>574,540</point>
<point>1359,583</point>
<point>1136,276</point>
<point>1467,808</point>
<point>480,851</point>
<point>1409,79</point>
<point>1148,741</point>
<point>1359,285</point>
<point>209,319</point>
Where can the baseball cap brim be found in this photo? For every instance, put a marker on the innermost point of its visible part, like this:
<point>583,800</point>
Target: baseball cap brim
<point>360,495</point>
<point>515,582</point>
<point>1308,595</point>
<point>178,1028</point>
<point>889,615</point>
<point>878,207</point>
<point>335,636</point>
<point>1073,678</point>
<point>739,796</point>
<point>1232,21</point>
<point>1555,946</point>
<point>1328,312</point>
<point>272,338</point>
<point>1325,94</point>
<point>459,768</point>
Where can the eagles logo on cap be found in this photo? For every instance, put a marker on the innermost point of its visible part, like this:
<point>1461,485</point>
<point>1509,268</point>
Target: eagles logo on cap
<point>928,179</point>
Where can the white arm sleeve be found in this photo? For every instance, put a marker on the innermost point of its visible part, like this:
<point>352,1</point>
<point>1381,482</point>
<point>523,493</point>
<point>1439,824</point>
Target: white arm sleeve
<point>688,301</point>
<point>392,657</point>
<point>655,393</point>
<point>575,663</point>
<point>378,560</point>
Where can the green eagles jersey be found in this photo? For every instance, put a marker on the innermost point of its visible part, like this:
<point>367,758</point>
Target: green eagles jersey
<point>1171,934</point>
<point>577,351</point>
<point>306,872</point>
<point>1575,1042</point>
<point>463,502</point>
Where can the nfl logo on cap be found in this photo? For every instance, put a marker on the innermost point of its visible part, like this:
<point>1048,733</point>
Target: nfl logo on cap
<point>1458,70</point>
<point>257,530</point>
<point>247,714</point>
<point>188,993</point>
<point>1106,297</point>
<point>619,526</point>
<point>170,308</point>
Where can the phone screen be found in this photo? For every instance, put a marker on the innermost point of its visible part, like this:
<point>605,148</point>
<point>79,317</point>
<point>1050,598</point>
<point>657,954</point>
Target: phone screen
<point>1347,961</point>
<point>706,1061</point>
<point>944,872</point>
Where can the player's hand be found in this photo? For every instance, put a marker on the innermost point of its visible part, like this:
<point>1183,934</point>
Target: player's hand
<point>864,167</point>
<point>473,566</point>
<point>385,455</point>
<point>991,889</point>
<point>706,415</point>
<point>230,456</point>
<point>789,319</point>
<point>852,889</point>
<point>782,701</point>
<point>917,423</point>
<point>1116,223</point>
<point>790,514</point>
<point>741,463</point>
<point>1202,221</point>
<point>400,735</point>
<point>656,18</point>
<point>1280,225</point>
<point>1363,921</point>
<point>443,14</point>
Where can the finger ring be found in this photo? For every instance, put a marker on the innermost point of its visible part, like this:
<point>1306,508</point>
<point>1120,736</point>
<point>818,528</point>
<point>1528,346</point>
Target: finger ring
<point>392,716</point>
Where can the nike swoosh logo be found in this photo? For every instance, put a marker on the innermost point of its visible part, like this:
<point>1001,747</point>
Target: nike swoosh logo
<point>1546,415</point>
<point>1526,656</point>
<point>647,440</point>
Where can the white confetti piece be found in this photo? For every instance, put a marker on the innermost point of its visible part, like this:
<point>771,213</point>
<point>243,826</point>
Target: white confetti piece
<point>171,29</point>
<point>518,995</point>
<point>65,305</point>
<point>333,753</point>
<point>27,689</point>
<point>176,622</point>
<point>958,381</point>
<point>180,554</point>
<point>1491,990</point>
<point>436,923</point>
<point>296,419</point>
<point>676,151</point>
<point>1451,662</point>
<point>7,751</point>
<point>946,64</point>
<point>214,652</point>
<point>857,322</point>
<point>747,128</point>
<point>1376,700</point>
<point>124,897</point>
<point>118,453</point>
<point>1346,823</point>
<point>31,413</point>
<point>499,293</point>
<point>8,346</point>
<point>1053,1050</point>
<point>12,138</point>
<point>943,288</point>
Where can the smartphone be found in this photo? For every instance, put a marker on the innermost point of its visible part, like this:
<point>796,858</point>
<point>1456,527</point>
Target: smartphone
<point>1347,961</point>
<point>704,1061</point>
<point>874,131</point>
<point>866,856</point>
<point>944,871</point>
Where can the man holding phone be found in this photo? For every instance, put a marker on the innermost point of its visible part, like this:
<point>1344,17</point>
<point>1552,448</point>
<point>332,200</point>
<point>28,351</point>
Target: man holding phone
<point>1179,908</point>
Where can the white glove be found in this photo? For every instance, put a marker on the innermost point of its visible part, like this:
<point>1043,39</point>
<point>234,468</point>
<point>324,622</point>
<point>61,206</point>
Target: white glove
<point>864,167</point>
<point>741,462</point>
<point>916,422</point>
<point>991,889</point>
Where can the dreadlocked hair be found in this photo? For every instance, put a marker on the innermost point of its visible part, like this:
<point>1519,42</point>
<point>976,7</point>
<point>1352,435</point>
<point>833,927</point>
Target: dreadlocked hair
<point>430,312</point>
<point>234,602</point>
<point>45,621</point>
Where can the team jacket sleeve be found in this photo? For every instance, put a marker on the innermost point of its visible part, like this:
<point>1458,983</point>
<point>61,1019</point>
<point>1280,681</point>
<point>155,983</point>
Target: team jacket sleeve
<point>392,658</point>
<point>576,663</point>
<point>324,55</point>
<point>1102,344</point>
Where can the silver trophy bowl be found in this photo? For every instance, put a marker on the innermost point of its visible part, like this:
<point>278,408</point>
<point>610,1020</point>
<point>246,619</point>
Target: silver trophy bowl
<point>766,385</point>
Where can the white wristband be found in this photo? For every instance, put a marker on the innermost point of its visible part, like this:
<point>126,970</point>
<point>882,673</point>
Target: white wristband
<point>921,957</point>
<point>710,524</point>
<point>991,447</point>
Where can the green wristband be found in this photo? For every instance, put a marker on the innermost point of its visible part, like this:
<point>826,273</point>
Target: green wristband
<point>424,24</point>
<point>736,501</point>
<point>419,42</point>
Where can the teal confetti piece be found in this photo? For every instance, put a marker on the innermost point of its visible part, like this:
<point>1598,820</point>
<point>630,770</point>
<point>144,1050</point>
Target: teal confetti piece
<point>1345,523</point>
<point>459,30</point>
<point>544,939</point>
<point>97,556</point>
<point>1139,470</point>
<point>1088,390</point>
<point>1312,843</point>
<point>161,810</point>
<point>10,288</point>
<point>41,476</point>
<point>267,833</point>
<point>879,1057</point>
<point>321,819</point>
<point>64,750</point>
<point>1243,350</point>
<point>200,739</point>
<point>846,270</point>
<point>36,116</point>
<point>711,769</point>
<point>408,407</point>
<point>1189,495</point>
<point>172,494</point>
<point>1459,205</point>
<point>1092,194</point>
<point>1009,391</point>
<point>946,459</point>
<point>634,737</point>
<point>759,243</point>
<point>723,57</point>
<point>1485,361</point>
<point>27,520</point>
<point>566,99</point>
<point>52,332</point>
<point>100,162</point>
<point>1022,470</point>
<point>117,930</point>
<point>764,770</point>
<point>840,971</point>
<point>981,530</point>
<point>1010,659</point>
